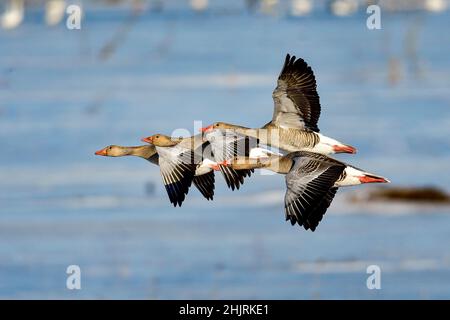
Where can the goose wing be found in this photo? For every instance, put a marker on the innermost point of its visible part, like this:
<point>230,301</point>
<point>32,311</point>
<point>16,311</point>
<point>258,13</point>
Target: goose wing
<point>153,156</point>
<point>296,102</point>
<point>205,184</point>
<point>310,188</point>
<point>177,174</point>
<point>225,145</point>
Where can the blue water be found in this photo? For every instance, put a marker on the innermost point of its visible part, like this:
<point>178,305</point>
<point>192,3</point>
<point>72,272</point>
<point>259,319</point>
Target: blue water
<point>61,99</point>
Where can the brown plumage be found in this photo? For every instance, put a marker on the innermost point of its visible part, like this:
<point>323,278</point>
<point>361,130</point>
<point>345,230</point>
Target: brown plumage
<point>203,182</point>
<point>312,181</point>
<point>295,115</point>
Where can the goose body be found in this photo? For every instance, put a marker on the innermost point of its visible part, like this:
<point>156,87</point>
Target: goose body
<point>312,181</point>
<point>296,112</point>
<point>291,140</point>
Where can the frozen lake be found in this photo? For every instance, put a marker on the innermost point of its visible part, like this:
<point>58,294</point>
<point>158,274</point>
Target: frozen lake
<point>65,94</point>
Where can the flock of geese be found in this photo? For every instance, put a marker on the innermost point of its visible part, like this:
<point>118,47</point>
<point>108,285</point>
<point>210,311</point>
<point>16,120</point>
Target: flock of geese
<point>312,177</point>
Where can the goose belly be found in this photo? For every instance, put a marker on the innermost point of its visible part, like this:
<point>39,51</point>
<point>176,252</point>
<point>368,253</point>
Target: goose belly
<point>204,167</point>
<point>201,170</point>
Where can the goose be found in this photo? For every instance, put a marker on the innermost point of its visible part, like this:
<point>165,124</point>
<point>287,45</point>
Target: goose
<point>312,181</point>
<point>179,160</point>
<point>435,5</point>
<point>301,7</point>
<point>204,173</point>
<point>54,12</point>
<point>199,5</point>
<point>342,8</point>
<point>14,14</point>
<point>258,153</point>
<point>227,144</point>
<point>296,112</point>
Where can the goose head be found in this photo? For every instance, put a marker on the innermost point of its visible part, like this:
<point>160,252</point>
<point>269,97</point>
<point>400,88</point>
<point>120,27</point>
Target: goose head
<point>217,126</point>
<point>160,140</point>
<point>145,151</point>
<point>121,151</point>
<point>112,151</point>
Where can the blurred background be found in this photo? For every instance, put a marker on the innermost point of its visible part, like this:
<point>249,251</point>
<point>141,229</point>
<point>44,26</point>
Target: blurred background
<point>136,68</point>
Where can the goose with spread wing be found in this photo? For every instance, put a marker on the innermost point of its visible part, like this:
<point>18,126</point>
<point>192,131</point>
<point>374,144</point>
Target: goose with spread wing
<point>226,145</point>
<point>296,113</point>
<point>179,160</point>
<point>204,174</point>
<point>312,181</point>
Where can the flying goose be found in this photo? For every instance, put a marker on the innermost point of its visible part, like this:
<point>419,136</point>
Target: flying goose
<point>178,161</point>
<point>54,12</point>
<point>227,144</point>
<point>296,112</point>
<point>204,174</point>
<point>312,181</point>
<point>13,15</point>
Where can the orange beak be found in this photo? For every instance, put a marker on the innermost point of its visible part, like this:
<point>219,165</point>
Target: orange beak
<point>344,149</point>
<point>101,152</point>
<point>368,179</point>
<point>147,139</point>
<point>206,129</point>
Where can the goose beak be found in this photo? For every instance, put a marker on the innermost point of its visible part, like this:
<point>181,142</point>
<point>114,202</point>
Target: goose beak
<point>224,163</point>
<point>218,164</point>
<point>147,139</point>
<point>206,129</point>
<point>368,179</point>
<point>344,149</point>
<point>101,152</point>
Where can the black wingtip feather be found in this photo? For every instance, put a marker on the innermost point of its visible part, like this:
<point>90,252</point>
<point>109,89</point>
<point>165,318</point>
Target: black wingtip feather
<point>299,73</point>
<point>319,211</point>
<point>234,178</point>
<point>310,217</point>
<point>205,184</point>
<point>177,191</point>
